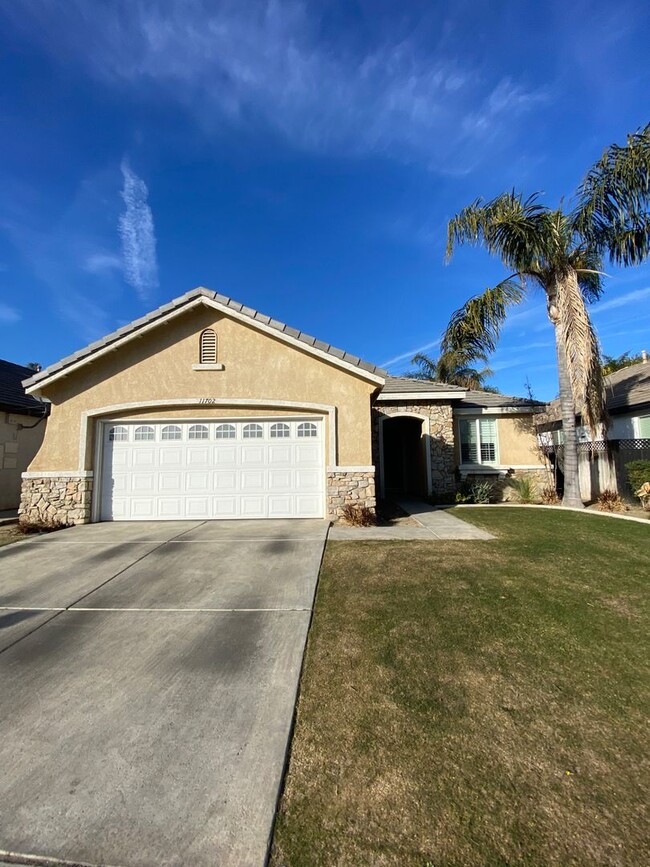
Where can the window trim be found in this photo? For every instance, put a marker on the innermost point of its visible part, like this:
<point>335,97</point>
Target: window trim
<point>476,420</point>
<point>307,430</point>
<point>279,430</point>
<point>247,431</point>
<point>174,439</point>
<point>193,428</point>
<point>144,439</point>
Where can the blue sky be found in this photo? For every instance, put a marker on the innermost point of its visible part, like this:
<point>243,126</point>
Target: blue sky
<point>301,157</point>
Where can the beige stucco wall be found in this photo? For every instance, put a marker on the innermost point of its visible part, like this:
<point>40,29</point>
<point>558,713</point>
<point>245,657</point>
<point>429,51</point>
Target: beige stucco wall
<point>17,449</point>
<point>158,366</point>
<point>517,441</point>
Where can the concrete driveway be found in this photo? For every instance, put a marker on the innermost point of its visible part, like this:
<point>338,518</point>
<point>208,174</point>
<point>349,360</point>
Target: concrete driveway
<point>149,674</point>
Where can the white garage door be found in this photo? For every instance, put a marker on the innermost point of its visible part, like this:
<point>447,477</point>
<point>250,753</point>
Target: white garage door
<point>244,468</point>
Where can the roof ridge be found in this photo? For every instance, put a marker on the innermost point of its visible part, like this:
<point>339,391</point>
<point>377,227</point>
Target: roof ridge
<point>224,301</point>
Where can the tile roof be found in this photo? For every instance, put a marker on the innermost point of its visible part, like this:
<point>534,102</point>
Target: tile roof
<point>487,399</point>
<point>625,390</point>
<point>467,398</point>
<point>12,393</point>
<point>177,304</point>
<point>399,384</point>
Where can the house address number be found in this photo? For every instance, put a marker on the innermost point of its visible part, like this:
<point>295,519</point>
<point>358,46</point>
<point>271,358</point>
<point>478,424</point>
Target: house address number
<point>207,400</point>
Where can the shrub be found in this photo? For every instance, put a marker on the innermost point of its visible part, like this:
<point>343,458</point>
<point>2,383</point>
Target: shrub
<point>638,472</point>
<point>42,526</point>
<point>609,501</point>
<point>549,496</point>
<point>523,488</point>
<point>482,492</point>
<point>359,516</point>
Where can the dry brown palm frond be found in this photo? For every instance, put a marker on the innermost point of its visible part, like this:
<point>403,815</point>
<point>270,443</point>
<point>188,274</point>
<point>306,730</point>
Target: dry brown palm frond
<point>582,352</point>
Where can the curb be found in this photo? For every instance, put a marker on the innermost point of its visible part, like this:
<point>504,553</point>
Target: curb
<point>645,521</point>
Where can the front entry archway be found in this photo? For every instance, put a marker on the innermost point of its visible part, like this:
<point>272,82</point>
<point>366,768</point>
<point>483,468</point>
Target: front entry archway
<point>404,465</point>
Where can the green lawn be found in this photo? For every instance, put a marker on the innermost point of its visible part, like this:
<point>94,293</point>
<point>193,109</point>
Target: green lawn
<point>476,703</point>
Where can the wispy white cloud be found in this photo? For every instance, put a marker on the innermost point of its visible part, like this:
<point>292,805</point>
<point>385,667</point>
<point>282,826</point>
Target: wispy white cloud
<point>633,297</point>
<point>100,263</point>
<point>138,235</point>
<point>404,92</point>
<point>409,355</point>
<point>9,315</point>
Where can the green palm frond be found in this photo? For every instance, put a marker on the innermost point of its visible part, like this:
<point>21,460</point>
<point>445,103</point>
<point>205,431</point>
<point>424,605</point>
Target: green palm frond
<point>454,368</point>
<point>475,327</point>
<point>613,201</point>
<point>508,227</point>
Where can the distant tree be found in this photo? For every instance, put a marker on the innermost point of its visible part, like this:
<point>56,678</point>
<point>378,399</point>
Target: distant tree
<point>612,363</point>
<point>454,368</point>
<point>33,365</point>
<point>562,252</point>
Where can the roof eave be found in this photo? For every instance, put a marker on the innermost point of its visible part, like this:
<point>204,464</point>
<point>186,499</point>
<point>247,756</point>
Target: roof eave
<point>195,297</point>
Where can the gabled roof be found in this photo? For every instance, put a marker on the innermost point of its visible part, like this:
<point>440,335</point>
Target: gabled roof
<point>625,391</point>
<point>398,384</point>
<point>489,399</point>
<point>228,305</point>
<point>12,394</point>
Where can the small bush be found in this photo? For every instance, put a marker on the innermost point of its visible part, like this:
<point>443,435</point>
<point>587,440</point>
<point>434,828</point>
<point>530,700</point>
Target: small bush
<point>463,496</point>
<point>482,493</point>
<point>549,497</point>
<point>638,472</point>
<point>609,501</point>
<point>523,488</point>
<point>44,526</point>
<point>359,516</point>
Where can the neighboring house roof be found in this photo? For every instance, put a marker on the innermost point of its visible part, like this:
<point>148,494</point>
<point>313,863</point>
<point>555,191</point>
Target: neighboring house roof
<point>191,298</point>
<point>12,394</point>
<point>628,388</point>
<point>625,390</point>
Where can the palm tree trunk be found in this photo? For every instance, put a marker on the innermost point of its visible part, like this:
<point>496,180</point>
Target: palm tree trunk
<point>571,496</point>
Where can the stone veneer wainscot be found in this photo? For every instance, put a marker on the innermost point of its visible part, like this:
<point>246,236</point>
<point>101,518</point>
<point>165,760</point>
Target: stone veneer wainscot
<point>349,488</point>
<point>65,499</point>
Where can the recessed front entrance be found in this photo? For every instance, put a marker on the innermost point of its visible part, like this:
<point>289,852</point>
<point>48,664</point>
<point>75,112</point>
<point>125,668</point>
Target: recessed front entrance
<point>202,469</point>
<point>404,460</point>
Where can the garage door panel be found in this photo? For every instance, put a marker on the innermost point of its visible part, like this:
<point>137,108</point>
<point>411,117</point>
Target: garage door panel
<point>271,476</point>
<point>281,480</point>
<point>198,483</point>
<point>253,455</point>
<point>252,507</point>
<point>281,506</point>
<point>198,456</point>
<point>282,456</point>
<point>253,480</point>
<point>224,507</point>
<point>171,457</point>
<point>143,483</point>
<point>308,454</point>
<point>144,457</point>
<point>170,482</point>
<point>143,507</point>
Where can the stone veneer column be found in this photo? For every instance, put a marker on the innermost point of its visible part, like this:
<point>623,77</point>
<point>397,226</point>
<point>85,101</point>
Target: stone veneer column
<point>441,438</point>
<point>349,488</point>
<point>64,499</point>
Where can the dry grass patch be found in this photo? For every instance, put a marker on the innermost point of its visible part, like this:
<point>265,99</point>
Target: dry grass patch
<point>471,703</point>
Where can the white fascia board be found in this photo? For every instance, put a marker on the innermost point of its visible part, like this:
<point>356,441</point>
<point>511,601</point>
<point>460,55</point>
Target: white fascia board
<point>498,410</point>
<point>415,396</point>
<point>227,311</point>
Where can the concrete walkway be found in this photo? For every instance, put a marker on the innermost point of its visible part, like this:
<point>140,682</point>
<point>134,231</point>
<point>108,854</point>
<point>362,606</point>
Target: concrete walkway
<point>432,524</point>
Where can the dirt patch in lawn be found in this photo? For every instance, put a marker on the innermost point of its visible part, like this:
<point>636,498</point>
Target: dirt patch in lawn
<point>468,704</point>
<point>10,533</point>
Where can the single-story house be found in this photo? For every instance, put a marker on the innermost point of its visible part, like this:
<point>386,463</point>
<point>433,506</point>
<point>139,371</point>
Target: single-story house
<point>601,464</point>
<point>206,408</point>
<point>22,426</point>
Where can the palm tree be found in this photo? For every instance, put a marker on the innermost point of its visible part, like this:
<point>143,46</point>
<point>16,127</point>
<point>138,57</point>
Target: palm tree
<point>562,251</point>
<point>612,363</point>
<point>454,368</point>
